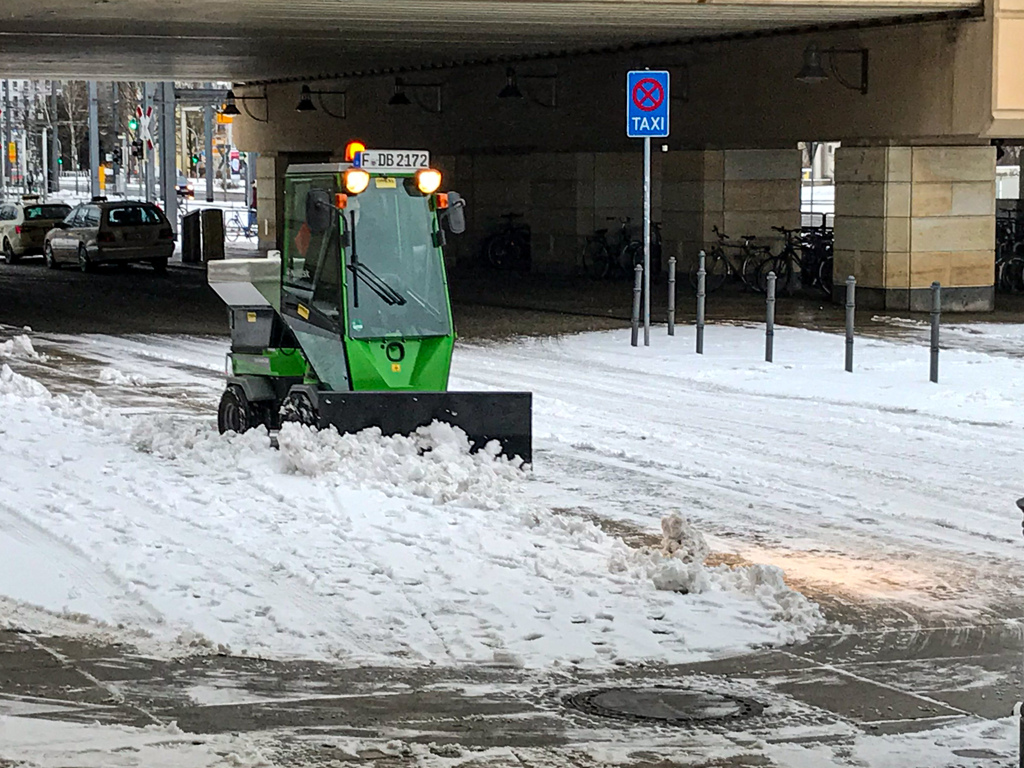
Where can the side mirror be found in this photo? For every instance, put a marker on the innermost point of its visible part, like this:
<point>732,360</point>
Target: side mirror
<point>456,213</point>
<point>320,210</point>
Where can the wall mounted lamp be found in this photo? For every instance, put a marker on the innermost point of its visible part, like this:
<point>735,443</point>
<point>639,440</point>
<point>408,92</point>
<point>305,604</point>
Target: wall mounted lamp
<point>306,102</point>
<point>231,105</point>
<point>400,98</point>
<point>513,91</point>
<point>813,70</point>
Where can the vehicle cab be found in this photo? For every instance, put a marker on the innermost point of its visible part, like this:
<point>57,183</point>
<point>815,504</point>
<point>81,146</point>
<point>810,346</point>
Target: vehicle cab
<point>363,284</point>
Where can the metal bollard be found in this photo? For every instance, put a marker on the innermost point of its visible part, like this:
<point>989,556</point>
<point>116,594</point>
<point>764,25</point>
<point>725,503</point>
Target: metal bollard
<point>672,296</point>
<point>769,328</point>
<point>936,310</point>
<point>851,305</point>
<point>701,294</point>
<point>638,278</point>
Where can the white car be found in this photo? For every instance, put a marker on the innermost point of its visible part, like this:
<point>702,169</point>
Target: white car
<point>23,226</point>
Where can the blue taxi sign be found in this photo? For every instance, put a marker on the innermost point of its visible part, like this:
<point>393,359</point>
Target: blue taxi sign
<point>647,104</point>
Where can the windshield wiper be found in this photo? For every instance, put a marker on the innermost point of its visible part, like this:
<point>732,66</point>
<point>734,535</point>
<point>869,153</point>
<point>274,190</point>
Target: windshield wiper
<point>377,284</point>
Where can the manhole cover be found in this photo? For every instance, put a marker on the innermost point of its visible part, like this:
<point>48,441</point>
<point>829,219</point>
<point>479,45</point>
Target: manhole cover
<point>664,704</point>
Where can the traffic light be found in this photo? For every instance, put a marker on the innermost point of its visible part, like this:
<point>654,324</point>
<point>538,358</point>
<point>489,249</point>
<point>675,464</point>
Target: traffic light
<point>117,155</point>
<point>60,161</point>
<point>133,124</point>
<point>137,148</point>
<point>195,159</point>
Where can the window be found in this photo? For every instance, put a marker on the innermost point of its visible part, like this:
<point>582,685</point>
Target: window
<point>92,216</point>
<point>312,244</point>
<point>133,215</point>
<point>8,213</point>
<point>394,274</point>
<point>46,212</point>
<point>74,218</point>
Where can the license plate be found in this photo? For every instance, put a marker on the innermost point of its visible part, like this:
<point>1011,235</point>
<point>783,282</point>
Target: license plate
<point>392,160</point>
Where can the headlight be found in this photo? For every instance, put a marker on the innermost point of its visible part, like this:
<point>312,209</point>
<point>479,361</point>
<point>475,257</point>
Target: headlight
<point>356,180</point>
<point>428,180</point>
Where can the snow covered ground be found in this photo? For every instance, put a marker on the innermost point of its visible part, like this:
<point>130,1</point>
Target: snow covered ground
<point>361,548</point>
<point>121,505</point>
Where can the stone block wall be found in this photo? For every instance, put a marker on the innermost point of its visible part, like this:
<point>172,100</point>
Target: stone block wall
<point>908,216</point>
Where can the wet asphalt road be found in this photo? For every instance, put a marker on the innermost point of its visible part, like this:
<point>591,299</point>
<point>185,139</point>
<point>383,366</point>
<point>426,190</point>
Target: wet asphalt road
<point>486,305</point>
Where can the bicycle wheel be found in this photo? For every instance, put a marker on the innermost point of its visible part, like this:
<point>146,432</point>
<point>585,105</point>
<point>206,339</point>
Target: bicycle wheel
<point>596,261</point>
<point>233,231</point>
<point>751,269</point>
<point>504,253</point>
<point>716,270</point>
<point>631,257</point>
<point>1013,275</point>
<point>825,277</point>
<point>785,277</point>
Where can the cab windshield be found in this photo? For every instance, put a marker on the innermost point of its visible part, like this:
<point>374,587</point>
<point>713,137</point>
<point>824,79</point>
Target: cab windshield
<point>394,278</point>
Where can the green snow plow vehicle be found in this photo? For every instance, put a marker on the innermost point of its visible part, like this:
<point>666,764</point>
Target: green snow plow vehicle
<point>352,327</point>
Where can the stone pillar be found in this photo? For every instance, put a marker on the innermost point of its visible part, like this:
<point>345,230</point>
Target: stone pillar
<point>907,216</point>
<point>742,192</point>
<point>270,168</point>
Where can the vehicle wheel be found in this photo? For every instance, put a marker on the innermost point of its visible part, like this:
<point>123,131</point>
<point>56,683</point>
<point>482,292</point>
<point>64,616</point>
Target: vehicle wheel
<point>9,256</point>
<point>233,231</point>
<point>160,265</point>
<point>84,264</point>
<point>297,409</point>
<point>235,412</point>
<point>51,262</point>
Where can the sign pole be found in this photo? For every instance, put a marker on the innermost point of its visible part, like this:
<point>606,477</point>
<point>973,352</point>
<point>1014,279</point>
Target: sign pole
<point>647,241</point>
<point>647,117</point>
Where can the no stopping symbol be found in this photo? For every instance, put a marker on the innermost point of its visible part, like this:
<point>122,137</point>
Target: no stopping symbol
<point>648,95</point>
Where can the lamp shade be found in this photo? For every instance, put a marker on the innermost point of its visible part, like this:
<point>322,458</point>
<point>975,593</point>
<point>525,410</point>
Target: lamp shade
<point>511,89</point>
<point>812,71</point>
<point>305,101</point>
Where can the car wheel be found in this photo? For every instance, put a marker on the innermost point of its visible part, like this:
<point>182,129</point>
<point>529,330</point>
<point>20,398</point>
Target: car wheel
<point>160,265</point>
<point>51,262</point>
<point>83,260</point>
<point>9,255</point>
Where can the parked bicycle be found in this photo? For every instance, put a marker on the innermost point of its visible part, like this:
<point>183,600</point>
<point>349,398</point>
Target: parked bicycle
<point>606,258</point>
<point>235,228</point>
<point>1009,276</point>
<point>726,260</point>
<point>509,247</point>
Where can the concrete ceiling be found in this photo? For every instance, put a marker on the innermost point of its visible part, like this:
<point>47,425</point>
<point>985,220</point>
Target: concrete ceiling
<point>268,39</point>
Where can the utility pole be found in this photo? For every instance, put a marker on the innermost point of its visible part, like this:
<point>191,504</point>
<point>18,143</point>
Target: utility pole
<point>8,176</point>
<point>168,170</point>
<point>148,154</point>
<point>116,145</point>
<point>208,125</point>
<point>94,140</point>
<point>54,141</point>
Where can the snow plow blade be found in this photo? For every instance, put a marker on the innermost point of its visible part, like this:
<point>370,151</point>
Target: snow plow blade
<point>503,416</point>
